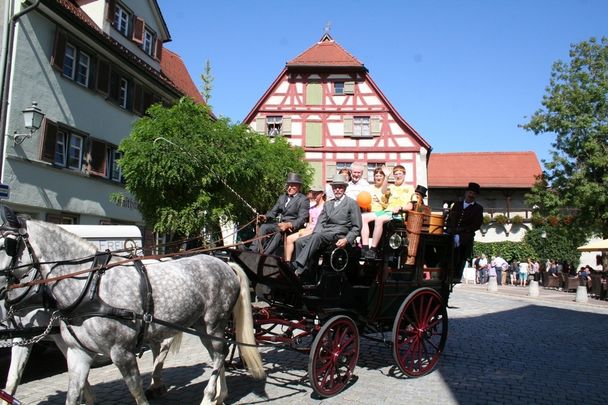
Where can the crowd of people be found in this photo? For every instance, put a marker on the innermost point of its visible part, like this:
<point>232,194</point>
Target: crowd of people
<point>520,272</point>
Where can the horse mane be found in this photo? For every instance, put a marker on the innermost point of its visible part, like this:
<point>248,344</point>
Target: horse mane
<point>71,246</point>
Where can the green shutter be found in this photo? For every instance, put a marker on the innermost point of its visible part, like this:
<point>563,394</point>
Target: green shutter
<point>330,170</point>
<point>314,94</point>
<point>260,125</point>
<point>348,125</point>
<point>286,126</point>
<point>375,123</point>
<point>313,134</point>
<point>349,88</point>
<point>317,177</point>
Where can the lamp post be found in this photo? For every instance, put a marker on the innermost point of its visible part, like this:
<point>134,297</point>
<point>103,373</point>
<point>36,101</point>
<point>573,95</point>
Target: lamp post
<point>32,119</point>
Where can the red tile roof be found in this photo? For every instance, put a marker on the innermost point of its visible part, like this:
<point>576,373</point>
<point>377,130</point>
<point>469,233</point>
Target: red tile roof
<point>173,67</point>
<point>489,169</point>
<point>326,52</point>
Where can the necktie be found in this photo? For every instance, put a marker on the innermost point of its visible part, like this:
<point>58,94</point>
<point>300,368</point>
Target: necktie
<point>288,200</point>
<point>338,202</point>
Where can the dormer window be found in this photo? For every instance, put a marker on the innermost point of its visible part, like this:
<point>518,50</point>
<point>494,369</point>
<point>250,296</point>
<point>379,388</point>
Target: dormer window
<point>148,42</point>
<point>121,20</point>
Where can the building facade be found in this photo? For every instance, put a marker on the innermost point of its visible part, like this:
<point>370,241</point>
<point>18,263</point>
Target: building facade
<point>504,177</point>
<point>93,67</point>
<point>325,101</point>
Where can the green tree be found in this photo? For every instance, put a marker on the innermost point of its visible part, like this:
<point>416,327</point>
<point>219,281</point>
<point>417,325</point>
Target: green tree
<point>181,164</point>
<point>207,78</point>
<point>575,110</point>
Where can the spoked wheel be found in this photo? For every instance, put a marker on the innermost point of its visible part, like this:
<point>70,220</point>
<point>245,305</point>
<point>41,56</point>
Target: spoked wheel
<point>420,332</point>
<point>333,356</point>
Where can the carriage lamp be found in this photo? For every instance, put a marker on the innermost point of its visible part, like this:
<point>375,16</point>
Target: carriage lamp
<point>32,118</point>
<point>395,241</point>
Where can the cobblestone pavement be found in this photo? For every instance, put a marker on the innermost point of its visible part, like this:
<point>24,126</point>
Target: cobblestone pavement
<point>502,347</point>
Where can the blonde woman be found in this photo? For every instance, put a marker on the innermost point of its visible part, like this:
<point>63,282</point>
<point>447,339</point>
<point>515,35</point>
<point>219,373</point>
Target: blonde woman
<point>378,206</point>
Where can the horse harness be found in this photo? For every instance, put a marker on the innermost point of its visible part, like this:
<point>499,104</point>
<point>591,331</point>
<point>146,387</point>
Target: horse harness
<point>88,303</point>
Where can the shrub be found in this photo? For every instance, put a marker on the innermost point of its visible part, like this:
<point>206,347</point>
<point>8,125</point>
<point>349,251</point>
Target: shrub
<point>501,219</point>
<point>486,219</point>
<point>517,219</point>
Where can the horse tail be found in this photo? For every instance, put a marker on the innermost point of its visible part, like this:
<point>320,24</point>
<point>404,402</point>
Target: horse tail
<point>176,343</point>
<point>243,324</point>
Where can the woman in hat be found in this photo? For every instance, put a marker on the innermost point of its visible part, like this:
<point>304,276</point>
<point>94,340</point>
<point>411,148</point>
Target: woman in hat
<point>317,201</point>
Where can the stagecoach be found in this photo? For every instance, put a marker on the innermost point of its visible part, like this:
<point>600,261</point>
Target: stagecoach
<point>399,297</point>
<point>344,297</point>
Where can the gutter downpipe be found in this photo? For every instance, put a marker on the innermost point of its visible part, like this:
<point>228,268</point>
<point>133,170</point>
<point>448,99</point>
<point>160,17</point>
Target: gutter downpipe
<point>8,62</point>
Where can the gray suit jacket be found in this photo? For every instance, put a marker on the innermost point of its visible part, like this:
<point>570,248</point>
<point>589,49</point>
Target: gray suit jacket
<point>345,219</point>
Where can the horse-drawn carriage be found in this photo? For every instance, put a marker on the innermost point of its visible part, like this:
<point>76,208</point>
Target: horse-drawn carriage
<point>344,297</point>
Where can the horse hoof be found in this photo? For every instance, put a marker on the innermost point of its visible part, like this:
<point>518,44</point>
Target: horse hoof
<point>156,392</point>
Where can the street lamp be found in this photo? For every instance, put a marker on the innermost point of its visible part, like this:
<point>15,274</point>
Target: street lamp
<point>32,118</point>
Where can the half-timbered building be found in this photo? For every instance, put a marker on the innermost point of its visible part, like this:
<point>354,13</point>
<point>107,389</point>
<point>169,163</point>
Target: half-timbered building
<point>325,101</point>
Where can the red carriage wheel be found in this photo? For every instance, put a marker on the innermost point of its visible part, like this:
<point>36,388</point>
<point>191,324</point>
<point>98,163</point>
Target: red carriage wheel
<point>333,356</point>
<point>420,331</point>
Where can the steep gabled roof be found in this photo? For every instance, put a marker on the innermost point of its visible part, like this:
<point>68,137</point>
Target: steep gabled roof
<point>489,169</point>
<point>172,66</point>
<point>326,52</point>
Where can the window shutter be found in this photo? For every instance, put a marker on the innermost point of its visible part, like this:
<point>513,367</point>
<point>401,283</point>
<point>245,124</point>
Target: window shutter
<point>103,76</point>
<point>286,126</point>
<point>349,87</point>
<point>49,141</point>
<point>148,100</point>
<point>114,86</point>
<point>260,125</point>
<point>348,125</point>
<point>314,136</point>
<point>159,49</point>
<point>138,99</point>
<point>314,94</point>
<point>330,170</point>
<point>92,73</point>
<point>111,10</point>
<point>375,124</point>
<point>59,50</point>
<point>97,161</point>
<point>138,30</point>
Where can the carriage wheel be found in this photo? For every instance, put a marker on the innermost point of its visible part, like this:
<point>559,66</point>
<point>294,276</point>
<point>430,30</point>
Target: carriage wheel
<point>420,332</point>
<point>333,356</point>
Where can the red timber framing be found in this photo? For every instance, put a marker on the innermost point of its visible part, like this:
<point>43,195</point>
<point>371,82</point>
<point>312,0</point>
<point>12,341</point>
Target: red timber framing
<point>325,101</point>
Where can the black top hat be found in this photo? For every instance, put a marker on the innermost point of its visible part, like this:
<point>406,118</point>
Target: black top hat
<point>421,190</point>
<point>293,178</point>
<point>473,187</point>
<point>339,179</point>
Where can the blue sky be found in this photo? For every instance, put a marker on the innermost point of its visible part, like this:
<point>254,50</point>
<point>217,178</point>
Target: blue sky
<point>463,73</point>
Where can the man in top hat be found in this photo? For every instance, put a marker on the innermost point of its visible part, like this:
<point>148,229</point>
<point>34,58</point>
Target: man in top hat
<point>289,214</point>
<point>340,219</point>
<point>465,217</point>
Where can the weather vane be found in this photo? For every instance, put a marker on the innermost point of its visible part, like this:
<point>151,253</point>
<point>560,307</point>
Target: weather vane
<point>327,27</point>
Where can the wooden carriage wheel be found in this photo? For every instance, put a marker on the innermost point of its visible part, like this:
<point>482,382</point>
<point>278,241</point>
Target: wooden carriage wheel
<point>333,356</point>
<point>420,331</point>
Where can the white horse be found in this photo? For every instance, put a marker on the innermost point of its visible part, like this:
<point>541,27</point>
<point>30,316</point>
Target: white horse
<point>113,311</point>
<point>41,317</point>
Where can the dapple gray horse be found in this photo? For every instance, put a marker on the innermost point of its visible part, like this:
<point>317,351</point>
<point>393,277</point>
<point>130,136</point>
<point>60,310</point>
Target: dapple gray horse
<point>199,291</point>
<point>41,317</point>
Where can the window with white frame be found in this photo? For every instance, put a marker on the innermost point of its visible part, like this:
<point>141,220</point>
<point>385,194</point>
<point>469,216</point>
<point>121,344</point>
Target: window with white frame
<point>148,42</point>
<point>273,124</point>
<point>121,20</point>
<point>361,126</point>
<point>69,61</point>
<point>75,151</point>
<point>84,64</point>
<point>115,170</point>
<point>68,150</point>
<point>123,92</point>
